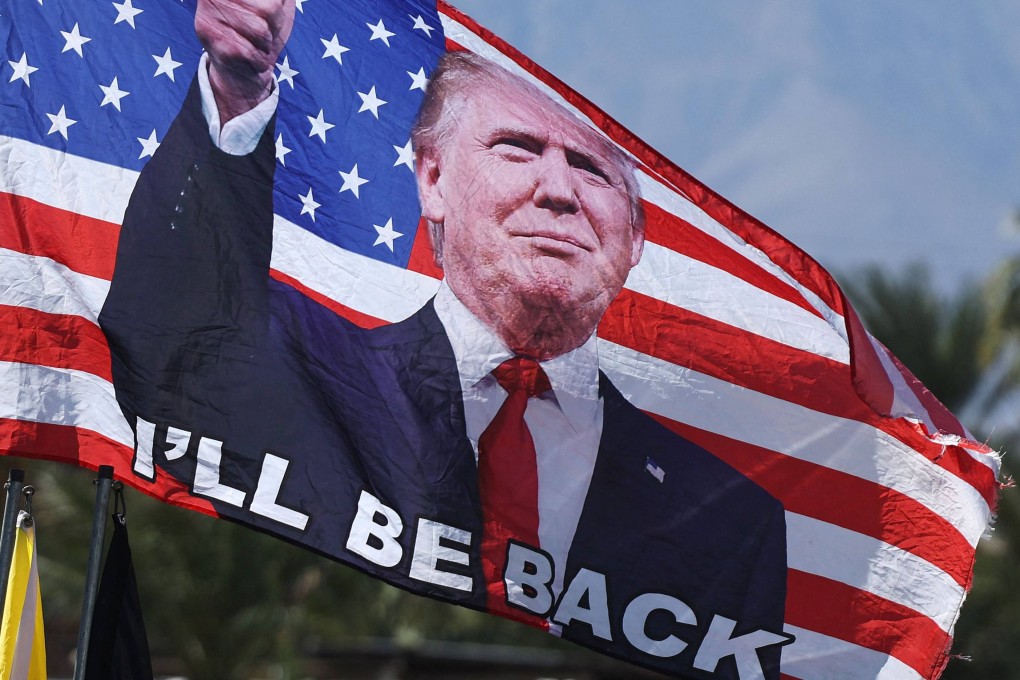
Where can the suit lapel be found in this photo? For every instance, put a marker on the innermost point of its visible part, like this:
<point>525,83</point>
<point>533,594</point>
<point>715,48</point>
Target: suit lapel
<point>426,372</point>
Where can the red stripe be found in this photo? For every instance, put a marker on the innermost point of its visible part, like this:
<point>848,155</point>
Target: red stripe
<point>679,336</point>
<point>422,260</point>
<point>85,448</point>
<point>844,500</point>
<point>841,611</point>
<point>55,340</point>
<point>795,261</point>
<point>869,376</point>
<point>863,506</point>
<point>798,264</point>
<point>866,507</point>
<point>83,244</point>
<point>668,230</point>
<point>941,416</point>
<point>352,315</point>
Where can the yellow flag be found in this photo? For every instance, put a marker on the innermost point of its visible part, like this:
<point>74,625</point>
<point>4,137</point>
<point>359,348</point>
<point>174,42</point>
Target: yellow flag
<point>22,646</point>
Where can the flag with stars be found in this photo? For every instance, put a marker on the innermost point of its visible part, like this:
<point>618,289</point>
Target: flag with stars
<point>725,336</point>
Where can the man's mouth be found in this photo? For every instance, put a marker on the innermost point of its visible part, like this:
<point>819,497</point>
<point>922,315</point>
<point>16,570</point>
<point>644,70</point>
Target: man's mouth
<point>555,243</point>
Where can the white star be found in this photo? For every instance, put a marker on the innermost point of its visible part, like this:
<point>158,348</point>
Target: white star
<point>125,12</point>
<point>319,126</point>
<point>149,145</point>
<point>166,63</point>
<point>112,94</point>
<point>299,4</point>
<point>286,72</point>
<point>386,234</point>
<point>369,102</point>
<point>418,80</point>
<point>281,150</point>
<point>60,122</point>
<point>73,40</point>
<point>405,155</point>
<point>352,182</point>
<point>420,24</point>
<point>379,32</point>
<point>308,204</point>
<point>334,49</point>
<point>22,69</point>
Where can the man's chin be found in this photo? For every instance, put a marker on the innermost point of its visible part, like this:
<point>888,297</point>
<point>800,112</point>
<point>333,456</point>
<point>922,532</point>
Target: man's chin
<point>560,291</point>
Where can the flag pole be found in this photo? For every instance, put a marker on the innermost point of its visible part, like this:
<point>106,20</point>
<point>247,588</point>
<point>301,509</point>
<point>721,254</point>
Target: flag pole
<point>15,480</point>
<point>104,483</point>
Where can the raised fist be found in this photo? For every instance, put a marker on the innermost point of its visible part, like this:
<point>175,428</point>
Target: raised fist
<point>244,39</point>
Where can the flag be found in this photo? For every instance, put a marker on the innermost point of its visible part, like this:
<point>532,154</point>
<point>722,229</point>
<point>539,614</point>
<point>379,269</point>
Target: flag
<point>725,333</point>
<point>118,646</point>
<point>23,651</point>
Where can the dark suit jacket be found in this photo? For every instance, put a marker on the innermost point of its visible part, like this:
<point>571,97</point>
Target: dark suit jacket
<point>203,339</point>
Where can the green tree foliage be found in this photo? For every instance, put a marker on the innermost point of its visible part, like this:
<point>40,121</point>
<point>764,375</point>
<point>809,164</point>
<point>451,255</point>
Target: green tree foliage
<point>939,338</point>
<point>950,343</point>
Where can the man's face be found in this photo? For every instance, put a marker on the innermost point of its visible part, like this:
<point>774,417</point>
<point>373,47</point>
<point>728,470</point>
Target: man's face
<point>533,206</point>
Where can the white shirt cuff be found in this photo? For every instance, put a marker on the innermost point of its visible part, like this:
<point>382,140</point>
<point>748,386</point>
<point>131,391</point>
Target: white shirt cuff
<point>241,134</point>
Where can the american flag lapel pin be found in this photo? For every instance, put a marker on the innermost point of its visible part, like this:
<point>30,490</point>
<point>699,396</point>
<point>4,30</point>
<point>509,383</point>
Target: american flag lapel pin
<point>654,470</point>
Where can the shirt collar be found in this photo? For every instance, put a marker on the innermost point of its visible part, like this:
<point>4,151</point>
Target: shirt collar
<point>574,376</point>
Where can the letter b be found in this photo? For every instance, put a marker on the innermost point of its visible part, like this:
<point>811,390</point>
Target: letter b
<point>527,577</point>
<point>375,540</point>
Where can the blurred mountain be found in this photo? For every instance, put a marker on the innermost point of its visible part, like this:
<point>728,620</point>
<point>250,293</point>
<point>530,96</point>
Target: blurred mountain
<point>866,133</point>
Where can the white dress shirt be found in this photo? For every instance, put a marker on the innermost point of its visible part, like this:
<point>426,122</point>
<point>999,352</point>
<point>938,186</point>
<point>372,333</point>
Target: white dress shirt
<point>565,424</point>
<point>241,134</point>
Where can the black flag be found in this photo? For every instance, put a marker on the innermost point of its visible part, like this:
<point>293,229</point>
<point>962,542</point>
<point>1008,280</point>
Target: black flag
<point>118,647</point>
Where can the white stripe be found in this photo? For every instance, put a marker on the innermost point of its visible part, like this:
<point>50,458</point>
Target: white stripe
<point>990,459</point>
<point>60,396</point>
<point>846,445</point>
<point>300,254</point>
<point>371,287</point>
<point>706,290</point>
<point>657,191</point>
<point>676,204</point>
<point>719,406</point>
<point>814,656</point>
<point>905,402</point>
<point>872,565</point>
<point>44,285</point>
<point>392,293</point>
<point>101,191</point>
<point>65,181</point>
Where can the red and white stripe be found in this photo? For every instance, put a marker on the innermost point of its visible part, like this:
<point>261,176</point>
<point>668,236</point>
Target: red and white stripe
<point>725,332</point>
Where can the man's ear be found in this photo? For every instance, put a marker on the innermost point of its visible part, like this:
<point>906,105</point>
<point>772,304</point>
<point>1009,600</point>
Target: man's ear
<point>430,187</point>
<point>637,244</point>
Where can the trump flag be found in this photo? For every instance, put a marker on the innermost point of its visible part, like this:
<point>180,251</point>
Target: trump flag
<point>364,277</point>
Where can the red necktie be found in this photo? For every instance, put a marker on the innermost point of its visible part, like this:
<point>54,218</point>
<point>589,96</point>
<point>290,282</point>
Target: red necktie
<point>508,479</point>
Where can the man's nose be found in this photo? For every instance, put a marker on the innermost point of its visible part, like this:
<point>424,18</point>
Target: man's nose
<point>554,185</point>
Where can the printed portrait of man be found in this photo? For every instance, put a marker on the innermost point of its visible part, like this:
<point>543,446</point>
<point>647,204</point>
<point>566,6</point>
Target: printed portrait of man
<point>475,451</point>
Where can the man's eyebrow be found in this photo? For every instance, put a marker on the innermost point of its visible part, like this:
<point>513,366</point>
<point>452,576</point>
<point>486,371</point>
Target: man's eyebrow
<point>518,132</point>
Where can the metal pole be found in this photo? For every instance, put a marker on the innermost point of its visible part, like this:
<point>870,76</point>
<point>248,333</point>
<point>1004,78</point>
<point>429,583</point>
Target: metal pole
<point>104,482</point>
<point>15,480</point>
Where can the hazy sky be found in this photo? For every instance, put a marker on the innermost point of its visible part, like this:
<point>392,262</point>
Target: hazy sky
<point>864,132</point>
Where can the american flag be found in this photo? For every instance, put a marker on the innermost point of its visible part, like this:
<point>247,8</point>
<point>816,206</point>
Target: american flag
<point>725,332</point>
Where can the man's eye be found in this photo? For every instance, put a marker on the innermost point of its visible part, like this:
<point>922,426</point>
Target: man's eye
<point>515,146</point>
<point>591,169</point>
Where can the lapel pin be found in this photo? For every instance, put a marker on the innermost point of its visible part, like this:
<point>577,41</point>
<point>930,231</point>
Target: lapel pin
<point>654,470</point>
